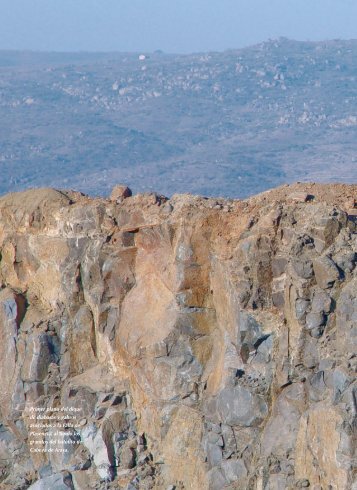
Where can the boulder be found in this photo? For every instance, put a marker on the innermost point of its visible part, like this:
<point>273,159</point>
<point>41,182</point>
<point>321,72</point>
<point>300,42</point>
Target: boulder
<point>234,470</point>
<point>239,406</point>
<point>100,449</point>
<point>326,272</point>
<point>120,192</point>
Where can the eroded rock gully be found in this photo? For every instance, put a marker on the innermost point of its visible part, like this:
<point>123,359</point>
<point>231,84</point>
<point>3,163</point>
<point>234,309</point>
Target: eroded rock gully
<point>208,343</point>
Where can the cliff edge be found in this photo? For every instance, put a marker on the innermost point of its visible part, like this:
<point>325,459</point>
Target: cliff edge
<point>189,343</point>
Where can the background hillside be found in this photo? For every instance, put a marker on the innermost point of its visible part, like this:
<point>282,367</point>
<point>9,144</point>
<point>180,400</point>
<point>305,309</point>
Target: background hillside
<point>230,124</point>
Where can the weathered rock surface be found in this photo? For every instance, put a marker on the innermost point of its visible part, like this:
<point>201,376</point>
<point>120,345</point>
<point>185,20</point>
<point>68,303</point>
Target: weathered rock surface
<point>206,343</point>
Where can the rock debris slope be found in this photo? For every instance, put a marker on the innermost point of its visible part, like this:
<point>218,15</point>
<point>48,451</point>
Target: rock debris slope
<point>206,343</point>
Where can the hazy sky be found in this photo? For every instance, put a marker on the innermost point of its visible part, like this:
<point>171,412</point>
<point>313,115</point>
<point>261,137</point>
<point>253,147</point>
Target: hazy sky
<point>170,25</point>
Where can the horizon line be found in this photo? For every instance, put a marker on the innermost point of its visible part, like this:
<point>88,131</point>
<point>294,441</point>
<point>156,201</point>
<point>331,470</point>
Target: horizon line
<point>160,51</point>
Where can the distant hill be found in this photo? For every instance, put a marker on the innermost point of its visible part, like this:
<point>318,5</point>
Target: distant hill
<point>230,124</point>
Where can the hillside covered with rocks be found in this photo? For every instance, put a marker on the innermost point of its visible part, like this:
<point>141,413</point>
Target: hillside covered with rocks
<point>231,123</point>
<point>204,343</point>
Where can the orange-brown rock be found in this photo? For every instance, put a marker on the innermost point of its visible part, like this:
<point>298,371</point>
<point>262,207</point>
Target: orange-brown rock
<point>120,192</point>
<point>204,343</point>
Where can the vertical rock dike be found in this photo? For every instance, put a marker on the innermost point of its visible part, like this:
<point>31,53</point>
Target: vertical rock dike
<point>187,343</point>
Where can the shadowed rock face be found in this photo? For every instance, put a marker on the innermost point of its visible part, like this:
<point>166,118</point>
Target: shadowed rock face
<point>207,343</point>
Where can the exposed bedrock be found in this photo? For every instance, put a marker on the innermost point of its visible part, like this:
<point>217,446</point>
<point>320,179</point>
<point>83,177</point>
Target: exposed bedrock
<point>205,343</point>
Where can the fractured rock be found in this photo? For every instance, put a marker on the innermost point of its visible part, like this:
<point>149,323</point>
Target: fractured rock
<point>58,481</point>
<point>238,406</point>
<point>234,470</point>
<point>326,272</point>
<point>197,347</point>
<point>120,192</point>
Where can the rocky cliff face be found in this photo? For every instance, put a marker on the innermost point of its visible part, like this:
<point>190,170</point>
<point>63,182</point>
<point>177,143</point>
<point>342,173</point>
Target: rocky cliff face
<point>205,344</point>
